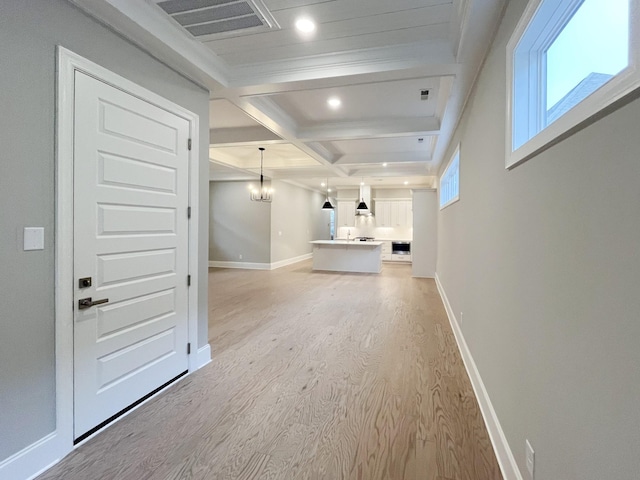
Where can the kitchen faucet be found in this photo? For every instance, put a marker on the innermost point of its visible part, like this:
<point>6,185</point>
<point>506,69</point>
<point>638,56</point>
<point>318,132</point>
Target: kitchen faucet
<point>348,234</point>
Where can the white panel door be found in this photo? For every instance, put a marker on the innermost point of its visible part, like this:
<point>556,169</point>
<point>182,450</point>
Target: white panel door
<point>131,237</point>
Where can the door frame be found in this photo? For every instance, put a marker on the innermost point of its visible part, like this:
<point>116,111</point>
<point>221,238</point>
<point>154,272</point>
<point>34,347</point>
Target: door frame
<point>67,64</point>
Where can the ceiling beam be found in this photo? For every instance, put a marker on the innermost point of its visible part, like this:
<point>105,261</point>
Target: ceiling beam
<point>225,137</point>
<point>268,114</point>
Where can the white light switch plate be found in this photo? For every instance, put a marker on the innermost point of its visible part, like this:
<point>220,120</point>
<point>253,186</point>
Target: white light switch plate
<point>530,458</point>
<point>33,238</point>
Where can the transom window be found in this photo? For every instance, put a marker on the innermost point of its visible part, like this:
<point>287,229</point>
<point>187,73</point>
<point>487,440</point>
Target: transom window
<point>450,181</point>
<point>566,61</point>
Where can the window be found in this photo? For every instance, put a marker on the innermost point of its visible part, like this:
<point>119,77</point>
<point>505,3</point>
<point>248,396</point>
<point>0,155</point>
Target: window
<point>450,181</point>
<point>566,61</point>
<point>332,224</point>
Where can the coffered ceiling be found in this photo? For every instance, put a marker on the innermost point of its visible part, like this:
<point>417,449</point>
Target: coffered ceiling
<point>401,70</point>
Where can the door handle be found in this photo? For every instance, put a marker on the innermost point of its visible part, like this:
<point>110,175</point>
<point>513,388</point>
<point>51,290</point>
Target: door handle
<point>88,303</point>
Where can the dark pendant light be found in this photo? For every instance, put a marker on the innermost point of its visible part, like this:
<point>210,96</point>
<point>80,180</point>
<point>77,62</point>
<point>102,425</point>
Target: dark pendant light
<point>327,204</point>
<point>362,205</point>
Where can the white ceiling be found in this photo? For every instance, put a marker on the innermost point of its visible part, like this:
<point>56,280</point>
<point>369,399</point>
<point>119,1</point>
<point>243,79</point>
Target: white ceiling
<point>270,84</point>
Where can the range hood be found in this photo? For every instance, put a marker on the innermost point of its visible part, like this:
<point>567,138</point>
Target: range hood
<point>365,195</point>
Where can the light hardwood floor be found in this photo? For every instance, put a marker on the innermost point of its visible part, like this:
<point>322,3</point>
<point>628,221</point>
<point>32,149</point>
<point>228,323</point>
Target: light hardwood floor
<point>314,376</point>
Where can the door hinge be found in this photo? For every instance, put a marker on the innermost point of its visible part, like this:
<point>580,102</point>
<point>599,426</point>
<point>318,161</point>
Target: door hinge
<point>188,212</point>
<point>188,349</point>
<point>189,144</point>
<point>188,280</point>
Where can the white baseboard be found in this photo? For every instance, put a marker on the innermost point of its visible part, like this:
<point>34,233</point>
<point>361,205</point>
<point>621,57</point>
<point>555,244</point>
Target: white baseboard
<point>291,261</point>
<point>33,460</point>
<point>261,266</point>
<point>204,356</point>
<point>45,453</point>
<point>503,452</point>
<point>245,265</point>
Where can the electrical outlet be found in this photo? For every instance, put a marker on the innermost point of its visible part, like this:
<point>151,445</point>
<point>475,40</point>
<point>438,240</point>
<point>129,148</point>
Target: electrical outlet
<point>240,256</point>
<point>530,457</point>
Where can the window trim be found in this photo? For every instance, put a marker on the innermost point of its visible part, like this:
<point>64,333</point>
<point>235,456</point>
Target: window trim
<point>610,96</point>
<point>455,198</point>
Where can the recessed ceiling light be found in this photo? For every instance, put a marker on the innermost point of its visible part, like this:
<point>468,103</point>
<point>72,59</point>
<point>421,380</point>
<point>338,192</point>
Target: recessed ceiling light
<point>329,190</point>
<point>305,25</point>
<point>361,183</point>
<point>384,164</point>
<point>406,183</point>
<point>334,102</point>
<point>323,184</point>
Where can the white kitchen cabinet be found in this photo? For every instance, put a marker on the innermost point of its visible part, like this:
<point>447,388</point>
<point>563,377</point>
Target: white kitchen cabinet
<point>383,213</point>
<point>409,210</point>
<point>346,214</point>
<point>386,251</point>
<point>394,213</point>
<point>400,258</point>
<point>388,255</point>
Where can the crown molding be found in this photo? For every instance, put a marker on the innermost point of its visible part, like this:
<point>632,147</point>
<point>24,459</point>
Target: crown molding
<point>227,137</point>
<point>146,25</point>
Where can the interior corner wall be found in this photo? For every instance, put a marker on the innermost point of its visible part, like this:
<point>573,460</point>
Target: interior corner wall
<point>29,33</point>
<point>544,262</point>
<point>296,219</point>
<point>238,227</point>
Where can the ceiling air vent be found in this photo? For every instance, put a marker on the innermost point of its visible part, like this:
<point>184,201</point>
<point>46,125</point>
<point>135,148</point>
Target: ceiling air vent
<point>220,17</point>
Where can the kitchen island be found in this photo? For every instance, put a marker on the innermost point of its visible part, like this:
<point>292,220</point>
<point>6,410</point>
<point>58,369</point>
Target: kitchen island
<point>347,256</point>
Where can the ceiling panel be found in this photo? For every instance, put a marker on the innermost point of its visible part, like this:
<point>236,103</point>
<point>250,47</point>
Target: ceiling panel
<point>275,156</point>
<point>397,99</point>
<point>287,11</point>
<point>335,23</point>
<point>384,145</point>
<point>262,53</point>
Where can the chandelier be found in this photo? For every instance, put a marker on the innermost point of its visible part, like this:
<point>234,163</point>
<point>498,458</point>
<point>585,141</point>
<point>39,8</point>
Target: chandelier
<point>263,194</point>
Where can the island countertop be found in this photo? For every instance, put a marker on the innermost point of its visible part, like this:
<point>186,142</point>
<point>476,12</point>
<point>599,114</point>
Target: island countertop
<point>347,256</point>
<point>356,243</point>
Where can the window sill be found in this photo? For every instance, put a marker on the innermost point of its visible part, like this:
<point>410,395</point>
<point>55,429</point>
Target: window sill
<point>450,202</point>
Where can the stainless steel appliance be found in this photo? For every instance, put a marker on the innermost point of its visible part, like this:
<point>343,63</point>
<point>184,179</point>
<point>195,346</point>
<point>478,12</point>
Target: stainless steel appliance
<point>401,248</point>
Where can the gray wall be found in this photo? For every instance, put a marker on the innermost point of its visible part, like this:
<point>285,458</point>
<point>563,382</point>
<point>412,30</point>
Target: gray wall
<point>424,249</point>
<point>391,193</point>
<point>264,232</point>
<point>544,262</point>
<point>237,225</point>
<point>29,33</point>
<point>296,219</point>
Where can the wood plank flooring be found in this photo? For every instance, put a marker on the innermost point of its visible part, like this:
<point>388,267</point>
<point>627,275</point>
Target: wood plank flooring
<point>314,376</point>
